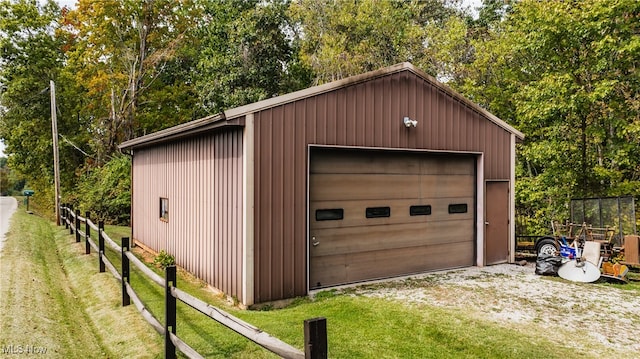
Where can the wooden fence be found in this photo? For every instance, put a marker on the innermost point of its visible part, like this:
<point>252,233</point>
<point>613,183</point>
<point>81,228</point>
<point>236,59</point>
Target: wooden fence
<point>315,330</point>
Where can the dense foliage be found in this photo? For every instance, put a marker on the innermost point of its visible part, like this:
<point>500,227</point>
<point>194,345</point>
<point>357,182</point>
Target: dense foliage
<point>566,74</point>
<point>562,72</point>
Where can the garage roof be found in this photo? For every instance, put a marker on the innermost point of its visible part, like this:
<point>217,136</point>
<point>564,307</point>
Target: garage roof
<point>235,117</point>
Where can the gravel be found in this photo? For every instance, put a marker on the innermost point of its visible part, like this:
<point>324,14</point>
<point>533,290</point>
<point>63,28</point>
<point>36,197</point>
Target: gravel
<point>594,318</point>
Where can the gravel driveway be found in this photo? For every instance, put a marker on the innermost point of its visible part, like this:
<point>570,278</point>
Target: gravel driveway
<point>594,318</point>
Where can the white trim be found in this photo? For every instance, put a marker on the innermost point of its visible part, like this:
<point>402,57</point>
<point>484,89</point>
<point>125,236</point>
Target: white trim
<point>480,212</point>
<point>397,149</point>
<point>512,201</point>
<point>248,220</point>
<point>308,219</point>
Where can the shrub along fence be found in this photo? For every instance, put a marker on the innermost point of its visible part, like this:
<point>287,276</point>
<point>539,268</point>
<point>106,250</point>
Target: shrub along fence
<point>315,329</point>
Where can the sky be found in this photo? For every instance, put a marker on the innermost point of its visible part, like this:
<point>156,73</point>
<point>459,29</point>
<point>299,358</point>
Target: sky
<point>69,3</point>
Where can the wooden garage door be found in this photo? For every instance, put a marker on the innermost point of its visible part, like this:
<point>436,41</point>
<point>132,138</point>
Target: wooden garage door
<point>377,214</point>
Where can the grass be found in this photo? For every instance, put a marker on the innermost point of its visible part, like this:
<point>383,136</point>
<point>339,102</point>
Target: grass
<point>358,327</point>
<point>52,298</point>
<point>87,318</point>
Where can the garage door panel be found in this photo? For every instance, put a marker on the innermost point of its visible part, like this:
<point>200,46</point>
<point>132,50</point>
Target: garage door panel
<point>362,186</point>
<point>404,261</point>
<point>434,186</point>
<point>354,211</point>
<point>326,271</point>
<point>356,267</point>
<point>449,166</point>
<point>333,241</point>
<point>363,163</point>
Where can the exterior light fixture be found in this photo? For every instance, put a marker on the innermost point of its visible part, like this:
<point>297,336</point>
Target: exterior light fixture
<point>409,122</point>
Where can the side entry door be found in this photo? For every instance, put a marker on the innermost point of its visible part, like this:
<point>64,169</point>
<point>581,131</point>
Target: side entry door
<point>497,222</point>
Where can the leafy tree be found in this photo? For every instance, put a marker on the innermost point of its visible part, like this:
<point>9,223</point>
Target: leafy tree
<point>247,53</point>
<point>105,191</point>
<point>344,38</point>
<point>565,73</point>
<point>130,60</point>
<point>31,55</point>
<point>4,177</point>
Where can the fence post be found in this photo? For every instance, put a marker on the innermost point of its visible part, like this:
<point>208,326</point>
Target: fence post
<point>77,225</point>
<point>125,272</point>
<point>66,216</point>
<point>60,213</point>
<point>70,226</point>
<point>169,311</point>
<point>87,230</point>
<point>101,245</point>
<point>315,338</point>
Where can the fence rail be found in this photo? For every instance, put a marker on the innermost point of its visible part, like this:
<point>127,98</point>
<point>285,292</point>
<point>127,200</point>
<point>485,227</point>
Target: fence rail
<point>314,329</point>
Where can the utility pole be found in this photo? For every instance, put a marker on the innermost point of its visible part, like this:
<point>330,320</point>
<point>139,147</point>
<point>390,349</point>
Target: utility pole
<point>56,160</point>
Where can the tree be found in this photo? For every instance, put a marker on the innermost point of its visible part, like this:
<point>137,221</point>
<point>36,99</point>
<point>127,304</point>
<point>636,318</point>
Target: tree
<point>344,38</point>
<point>130,61</point>
<point>31,55</point>
<point>247,54</point>
<point>565,73</point>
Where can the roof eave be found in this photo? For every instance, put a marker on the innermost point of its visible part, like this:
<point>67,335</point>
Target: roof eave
<point>188,129</point>
<point>234,116</point>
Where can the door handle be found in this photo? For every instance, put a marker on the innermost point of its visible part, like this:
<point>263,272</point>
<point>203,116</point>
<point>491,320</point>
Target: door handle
<point>486,223</point>
<point>314,242</point>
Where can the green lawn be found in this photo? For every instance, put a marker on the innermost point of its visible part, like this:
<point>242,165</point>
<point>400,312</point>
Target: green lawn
<point>52,298</point>
<point>358,327</point>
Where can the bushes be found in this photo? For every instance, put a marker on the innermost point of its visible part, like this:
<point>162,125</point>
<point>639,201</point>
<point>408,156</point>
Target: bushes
<point>164,259</point>
<point>106,191</point>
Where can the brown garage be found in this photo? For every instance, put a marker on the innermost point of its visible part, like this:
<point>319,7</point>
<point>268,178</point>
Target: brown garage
<point>378,175</point>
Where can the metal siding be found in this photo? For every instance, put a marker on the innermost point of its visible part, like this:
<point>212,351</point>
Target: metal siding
<point>278,242</point>
<point>299,198</point>
<point>370,114</point>
<point>202,178</point>
<point>288,173</point>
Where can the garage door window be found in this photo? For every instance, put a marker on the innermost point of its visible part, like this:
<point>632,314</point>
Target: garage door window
<point>422,210</point>
<point>378,212</point>
<point>333,214</point>
<point>458,208</point>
